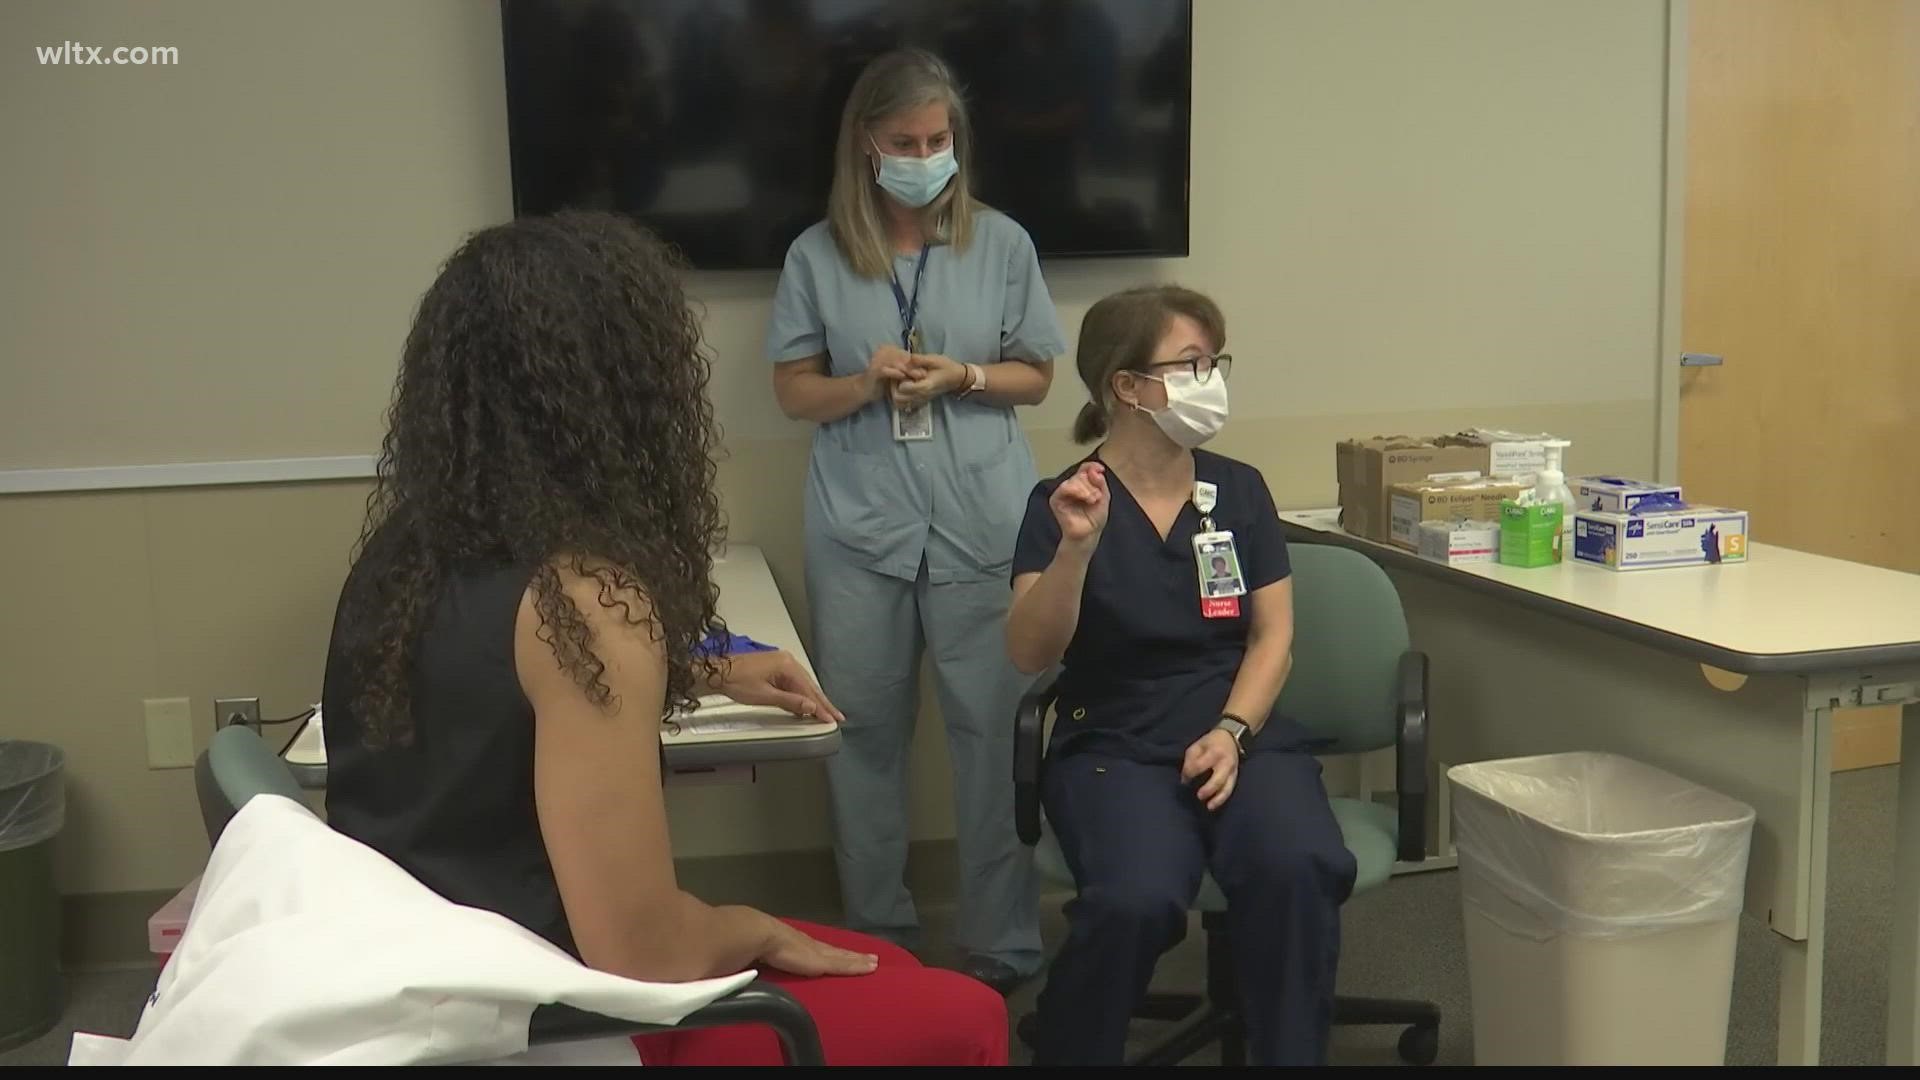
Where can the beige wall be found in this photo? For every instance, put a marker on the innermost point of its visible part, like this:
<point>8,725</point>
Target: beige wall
<point>1417,217</point>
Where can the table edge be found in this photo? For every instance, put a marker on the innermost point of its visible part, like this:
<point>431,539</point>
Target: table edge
<point>719,753</point>
<point>1741,663</point>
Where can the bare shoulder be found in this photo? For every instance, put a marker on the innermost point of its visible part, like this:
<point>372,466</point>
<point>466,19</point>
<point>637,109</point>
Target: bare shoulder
<point>589,616</point>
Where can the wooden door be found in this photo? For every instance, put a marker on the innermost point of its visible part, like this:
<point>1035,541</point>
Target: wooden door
<point>1801,258</point>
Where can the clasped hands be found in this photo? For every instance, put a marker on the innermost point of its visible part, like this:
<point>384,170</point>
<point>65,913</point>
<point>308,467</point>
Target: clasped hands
<point>912,378</point>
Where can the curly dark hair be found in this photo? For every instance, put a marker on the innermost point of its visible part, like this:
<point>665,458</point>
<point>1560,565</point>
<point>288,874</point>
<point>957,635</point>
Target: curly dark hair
<point>550,410</point>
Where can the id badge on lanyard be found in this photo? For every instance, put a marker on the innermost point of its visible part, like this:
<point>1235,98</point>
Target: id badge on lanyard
<point>915,422</point>
<point>1216,561</point>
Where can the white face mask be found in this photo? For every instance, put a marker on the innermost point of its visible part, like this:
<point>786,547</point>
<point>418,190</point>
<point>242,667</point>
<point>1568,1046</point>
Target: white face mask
<point>1195,412</point>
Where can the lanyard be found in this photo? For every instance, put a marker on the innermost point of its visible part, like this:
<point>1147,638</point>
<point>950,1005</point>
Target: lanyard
<point>909,309</point>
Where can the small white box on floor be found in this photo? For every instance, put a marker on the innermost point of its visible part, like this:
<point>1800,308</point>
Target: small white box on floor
<point>165,926</point>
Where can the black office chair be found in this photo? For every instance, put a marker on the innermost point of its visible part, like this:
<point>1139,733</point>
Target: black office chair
<point>237,765</point>
<point>1355,681</point>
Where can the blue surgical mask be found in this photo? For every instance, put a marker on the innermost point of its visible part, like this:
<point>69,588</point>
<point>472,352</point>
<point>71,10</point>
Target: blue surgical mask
<point>916,181</point>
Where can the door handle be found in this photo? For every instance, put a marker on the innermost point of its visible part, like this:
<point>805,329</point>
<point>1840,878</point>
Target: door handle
<point>1695,359</point>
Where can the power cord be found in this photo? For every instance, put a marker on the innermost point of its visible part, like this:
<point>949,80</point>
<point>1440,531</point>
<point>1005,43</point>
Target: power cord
<point>303,717</point>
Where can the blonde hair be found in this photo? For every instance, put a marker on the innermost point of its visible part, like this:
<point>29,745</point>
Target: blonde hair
<point>1120,333</point>
<point>894,83</point>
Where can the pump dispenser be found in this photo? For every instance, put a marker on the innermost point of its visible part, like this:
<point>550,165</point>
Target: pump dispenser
<point>1551,484</point>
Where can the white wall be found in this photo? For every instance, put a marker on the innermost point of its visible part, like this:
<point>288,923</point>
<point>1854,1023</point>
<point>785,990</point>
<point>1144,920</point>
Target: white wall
<point>1417,216</point>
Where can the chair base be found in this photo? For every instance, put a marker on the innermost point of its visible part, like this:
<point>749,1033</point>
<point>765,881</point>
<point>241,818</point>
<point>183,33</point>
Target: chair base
<point>1419,1043</point>
<point>1215,1016</point>
<point>1204,1023</point>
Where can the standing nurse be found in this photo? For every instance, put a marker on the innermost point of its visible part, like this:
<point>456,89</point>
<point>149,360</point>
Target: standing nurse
<point>908,325</point>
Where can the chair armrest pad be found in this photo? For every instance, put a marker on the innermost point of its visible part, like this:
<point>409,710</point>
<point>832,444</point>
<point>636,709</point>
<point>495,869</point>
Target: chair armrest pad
<point>1410,754</point>
<point>758,1002</point>
<point>1029,749</point>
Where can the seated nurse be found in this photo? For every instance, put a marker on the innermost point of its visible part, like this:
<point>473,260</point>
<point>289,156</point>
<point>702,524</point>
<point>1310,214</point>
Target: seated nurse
<point>1155,574</point>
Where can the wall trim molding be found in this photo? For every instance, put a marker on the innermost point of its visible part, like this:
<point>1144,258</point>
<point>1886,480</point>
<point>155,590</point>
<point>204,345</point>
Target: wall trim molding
<point>187,474</point>
<point>108,931</point>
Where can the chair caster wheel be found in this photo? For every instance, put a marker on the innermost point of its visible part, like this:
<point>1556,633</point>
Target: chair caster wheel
<point>1420,1044</point>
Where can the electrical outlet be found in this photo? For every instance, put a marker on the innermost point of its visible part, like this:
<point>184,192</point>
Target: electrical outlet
<point>169,733</point>
<point>236,710</point>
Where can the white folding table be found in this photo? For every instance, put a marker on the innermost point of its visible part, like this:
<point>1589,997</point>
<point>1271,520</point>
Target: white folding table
<point>720,737</point>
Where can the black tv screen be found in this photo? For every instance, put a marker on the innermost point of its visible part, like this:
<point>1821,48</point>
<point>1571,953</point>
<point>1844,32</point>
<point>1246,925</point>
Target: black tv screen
<point>713,121</point>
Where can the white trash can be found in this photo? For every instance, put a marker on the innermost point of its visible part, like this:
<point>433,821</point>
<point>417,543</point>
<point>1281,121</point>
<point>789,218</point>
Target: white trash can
<point>1602,899</point>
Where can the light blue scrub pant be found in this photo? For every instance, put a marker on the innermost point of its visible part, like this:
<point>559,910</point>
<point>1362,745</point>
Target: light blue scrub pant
<point>869,631</point>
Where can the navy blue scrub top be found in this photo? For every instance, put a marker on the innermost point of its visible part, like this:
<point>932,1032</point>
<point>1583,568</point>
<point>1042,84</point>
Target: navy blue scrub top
<point>1146,675</point>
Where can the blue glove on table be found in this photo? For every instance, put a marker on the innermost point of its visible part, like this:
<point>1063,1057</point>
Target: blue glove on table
<point>730,645</point>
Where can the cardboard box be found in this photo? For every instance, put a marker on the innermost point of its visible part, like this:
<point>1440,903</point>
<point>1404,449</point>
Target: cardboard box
<point>1467,499</point>
<point>1614,495</point>
<point>1511,455</point>
<point>1529,535</point>
<point>1691,536</point>
<point>1457,542</point>
<point>1367,469</point>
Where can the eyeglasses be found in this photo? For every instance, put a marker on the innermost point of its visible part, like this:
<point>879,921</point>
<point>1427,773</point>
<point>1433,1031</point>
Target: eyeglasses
<point>1202,367</point>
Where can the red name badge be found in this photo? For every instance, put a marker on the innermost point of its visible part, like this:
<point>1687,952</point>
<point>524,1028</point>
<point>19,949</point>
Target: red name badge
<point>1220,607</point>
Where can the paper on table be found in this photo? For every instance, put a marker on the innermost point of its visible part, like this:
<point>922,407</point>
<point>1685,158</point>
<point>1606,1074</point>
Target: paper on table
<point>719,715</point>
<point>716,724</point>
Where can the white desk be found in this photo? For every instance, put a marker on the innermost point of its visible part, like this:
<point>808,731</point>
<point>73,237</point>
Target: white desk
<point>1573,656</point>
<point>720,734</point>
<point>723,732</point>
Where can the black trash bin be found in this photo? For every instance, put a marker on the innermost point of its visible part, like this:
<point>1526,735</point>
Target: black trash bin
<point>32,808</point>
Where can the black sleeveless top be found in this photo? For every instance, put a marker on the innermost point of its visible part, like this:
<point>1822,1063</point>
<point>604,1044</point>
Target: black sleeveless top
<point>455,807</point>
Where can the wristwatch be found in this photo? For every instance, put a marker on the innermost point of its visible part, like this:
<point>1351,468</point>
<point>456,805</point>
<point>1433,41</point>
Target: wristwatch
<point>977,380</point>
<point>1237,728</point>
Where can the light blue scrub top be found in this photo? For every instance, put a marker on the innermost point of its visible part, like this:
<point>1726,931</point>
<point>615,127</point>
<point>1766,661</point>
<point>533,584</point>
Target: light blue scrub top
<point>955,500</point>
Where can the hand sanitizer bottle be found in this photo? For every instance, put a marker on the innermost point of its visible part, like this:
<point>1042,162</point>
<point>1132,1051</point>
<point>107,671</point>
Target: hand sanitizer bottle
<point>1551,484</point>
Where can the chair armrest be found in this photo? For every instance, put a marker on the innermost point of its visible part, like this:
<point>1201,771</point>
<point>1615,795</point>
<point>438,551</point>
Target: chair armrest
<point>758,1002</point>
<point>1029,748</point>
<point>1410,757</point>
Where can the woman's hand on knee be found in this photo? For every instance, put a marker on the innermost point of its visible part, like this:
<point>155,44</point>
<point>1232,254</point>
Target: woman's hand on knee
<point>796,953</point>
<point>1215,753</point>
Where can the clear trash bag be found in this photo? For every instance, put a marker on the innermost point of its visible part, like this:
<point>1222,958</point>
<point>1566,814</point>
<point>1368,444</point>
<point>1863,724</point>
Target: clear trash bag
<point>1596,845</point>
<point>33,802</point>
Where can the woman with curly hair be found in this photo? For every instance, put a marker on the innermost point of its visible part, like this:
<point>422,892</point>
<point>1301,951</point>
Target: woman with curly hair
<point>529,601</point>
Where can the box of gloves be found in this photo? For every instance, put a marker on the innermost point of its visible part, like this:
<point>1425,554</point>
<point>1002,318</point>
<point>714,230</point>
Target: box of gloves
<point>1660,533</point>
<point>1617,495</point>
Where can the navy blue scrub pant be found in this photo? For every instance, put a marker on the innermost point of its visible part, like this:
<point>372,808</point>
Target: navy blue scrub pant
<point>1138,840</point>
